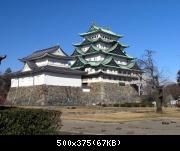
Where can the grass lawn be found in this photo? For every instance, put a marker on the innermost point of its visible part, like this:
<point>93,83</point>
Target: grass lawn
<point>114,114</point>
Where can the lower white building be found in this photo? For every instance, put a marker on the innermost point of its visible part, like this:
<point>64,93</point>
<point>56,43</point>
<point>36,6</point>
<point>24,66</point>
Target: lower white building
<point>47,67</point>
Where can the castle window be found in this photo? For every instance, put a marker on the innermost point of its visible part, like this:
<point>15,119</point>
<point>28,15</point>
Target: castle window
<point>84,84</point>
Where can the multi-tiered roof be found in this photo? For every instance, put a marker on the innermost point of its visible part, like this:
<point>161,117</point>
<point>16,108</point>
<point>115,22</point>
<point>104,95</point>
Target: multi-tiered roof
<point>114,50</point>
<point>43,61</point>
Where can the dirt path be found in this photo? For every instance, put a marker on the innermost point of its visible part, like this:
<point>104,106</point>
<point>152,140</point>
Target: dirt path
<point>143,127</point>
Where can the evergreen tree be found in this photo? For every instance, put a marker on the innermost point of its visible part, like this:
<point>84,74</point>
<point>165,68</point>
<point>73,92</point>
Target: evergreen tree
<point>7,71</point>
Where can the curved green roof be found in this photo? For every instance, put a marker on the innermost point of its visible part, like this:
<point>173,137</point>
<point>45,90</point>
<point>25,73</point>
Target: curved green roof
<point>116,50</point>
<point>94,50</point>
<point>94,29</point>
<point>107,62</point>
<point>90,41</point>
<point>77,51</point>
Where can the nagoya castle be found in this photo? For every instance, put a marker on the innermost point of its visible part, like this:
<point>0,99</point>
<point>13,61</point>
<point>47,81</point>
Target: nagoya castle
<point>98,71</point>
<point>104,59</point>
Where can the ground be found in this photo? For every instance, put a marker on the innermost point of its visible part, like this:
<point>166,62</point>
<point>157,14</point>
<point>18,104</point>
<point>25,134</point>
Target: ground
<point>119,121</point>
<point>144,127</point>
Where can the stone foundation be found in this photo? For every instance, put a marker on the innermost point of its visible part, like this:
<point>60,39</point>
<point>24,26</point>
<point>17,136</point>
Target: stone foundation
<point>44,95</point>
<point>107,93</point>
<point>110,93</point>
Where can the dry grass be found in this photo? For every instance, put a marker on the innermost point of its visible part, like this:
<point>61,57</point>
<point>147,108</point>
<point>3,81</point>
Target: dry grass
<point>113,114</point>
<point>118,115</point>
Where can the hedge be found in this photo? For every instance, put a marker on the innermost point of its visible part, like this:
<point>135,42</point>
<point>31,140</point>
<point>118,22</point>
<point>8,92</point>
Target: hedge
<point>142,104</point>
<point>20,121</point>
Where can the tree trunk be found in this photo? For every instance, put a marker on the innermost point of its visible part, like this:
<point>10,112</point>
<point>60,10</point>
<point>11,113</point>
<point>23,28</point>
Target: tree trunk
<point>159,102</point>
<point>159,109</point>
<point>158,98</point>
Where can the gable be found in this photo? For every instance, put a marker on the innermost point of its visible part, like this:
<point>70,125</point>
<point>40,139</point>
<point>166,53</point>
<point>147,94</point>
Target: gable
<point>75,53</point>
<point>112,63</point>
<point>59,52</point>
<point>117,49</point>
<point>26,68</point>
<point>136,67</point>
<point>78,63</point>
<point>90,50</point>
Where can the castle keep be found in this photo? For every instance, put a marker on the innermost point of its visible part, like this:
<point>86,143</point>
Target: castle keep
<point>98,71</point>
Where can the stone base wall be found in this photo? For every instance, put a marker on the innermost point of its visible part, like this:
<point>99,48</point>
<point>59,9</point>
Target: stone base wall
<point>55,95</point>
<point>43,95</point>
<point>110,93</point>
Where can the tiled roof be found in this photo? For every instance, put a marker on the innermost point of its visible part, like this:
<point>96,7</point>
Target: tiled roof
<point>108,62</point>
<point>93,50</point>
<point>50,69</point>
<point>93,29</point>
<point>48,51</point>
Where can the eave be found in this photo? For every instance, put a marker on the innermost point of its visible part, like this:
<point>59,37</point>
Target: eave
<point>47,55</point>
<point>48,69</point>
<point>101,31</point>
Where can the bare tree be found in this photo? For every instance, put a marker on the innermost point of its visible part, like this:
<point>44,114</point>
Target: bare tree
<point>152,78</point>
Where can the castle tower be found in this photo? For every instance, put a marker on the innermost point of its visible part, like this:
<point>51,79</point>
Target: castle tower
<point>104,59</point>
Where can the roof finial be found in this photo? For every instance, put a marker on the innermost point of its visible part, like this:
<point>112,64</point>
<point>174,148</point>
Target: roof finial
<point>93,23</point>
<point>93,26</point>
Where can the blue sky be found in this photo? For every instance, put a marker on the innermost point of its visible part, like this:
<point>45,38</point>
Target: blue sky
<point>28,25</point>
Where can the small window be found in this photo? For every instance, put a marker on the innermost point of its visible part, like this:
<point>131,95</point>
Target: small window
<point>84,84</point>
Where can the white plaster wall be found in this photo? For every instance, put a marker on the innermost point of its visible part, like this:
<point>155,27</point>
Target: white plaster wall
<point>28,81</point>
<point>94,80</point>
<point>48,79</point>
<point>107,37</point>
<point>121,61</point>
<point>98,57</point>
<point>14,82</point>
<point>102,46</point>
<point>102,35</point>
<point>63,80</point>
<point>39,79</point>
<point>57,63</point>
<point>25,81</point>
<point>52,62</point>
<point>42,62</point>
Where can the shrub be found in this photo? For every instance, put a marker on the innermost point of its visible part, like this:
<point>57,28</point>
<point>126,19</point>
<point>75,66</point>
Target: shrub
<point>116,105</point>
<point>104,105</point>
<point>19,121</point>
<point>142,104</point>
<point>73,107</point>
<point>129,105</point>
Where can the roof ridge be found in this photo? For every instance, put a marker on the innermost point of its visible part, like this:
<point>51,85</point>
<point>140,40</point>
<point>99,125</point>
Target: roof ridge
<point>94,28</point>
<point>44,49</point>
<point>44,52</point>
